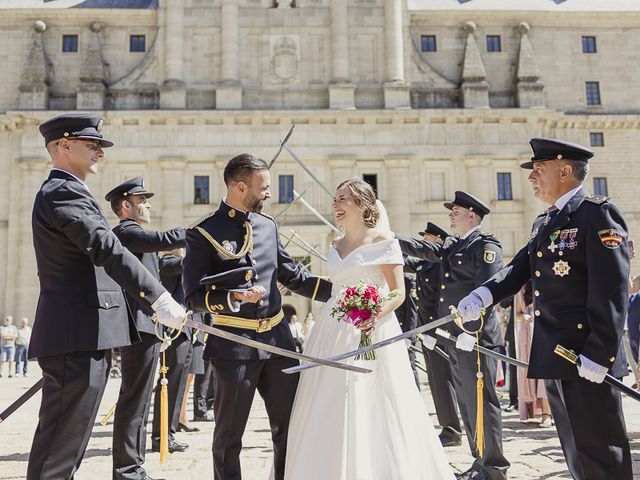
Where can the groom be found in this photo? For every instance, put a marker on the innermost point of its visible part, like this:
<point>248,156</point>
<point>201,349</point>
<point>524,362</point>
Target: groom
<point>239,235</point>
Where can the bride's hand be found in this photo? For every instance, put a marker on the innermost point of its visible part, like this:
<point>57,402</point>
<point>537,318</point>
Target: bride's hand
<point>368,326</point>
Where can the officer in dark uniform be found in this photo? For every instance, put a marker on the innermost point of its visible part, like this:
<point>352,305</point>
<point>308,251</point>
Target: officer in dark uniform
<point>407,314</point>
<point>81,313</point>
<point>239,235</point>
<point>464,265</point>
<point>438,368</point>
<point>130,202</point>
<point>177,357</point>
<point>577,259</point>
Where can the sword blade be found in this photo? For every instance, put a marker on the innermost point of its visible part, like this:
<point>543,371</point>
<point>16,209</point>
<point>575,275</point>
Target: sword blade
<point>485,351</point>
<point>306,169</point>
<point>316,213</point>
<point>375,346</point>
<point>22,399</point>
<point>284,142</point>
<point>272,349</point>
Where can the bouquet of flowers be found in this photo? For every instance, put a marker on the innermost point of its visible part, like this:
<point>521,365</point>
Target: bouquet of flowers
<point>358,304</point>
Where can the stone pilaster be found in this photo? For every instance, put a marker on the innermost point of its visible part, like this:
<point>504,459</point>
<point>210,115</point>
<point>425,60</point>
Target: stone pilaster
<point>341,90</point>
<point>173,94</point>
<point>530,90</point>
<point>341,169</point>
<point>32,173</point>
<point>475,89</point>
<point>398,201</point>
<point>396,89</point>
<point>92,89</point>
<point>172,191</point>
<point>229,90</point>
<point>34,82</point>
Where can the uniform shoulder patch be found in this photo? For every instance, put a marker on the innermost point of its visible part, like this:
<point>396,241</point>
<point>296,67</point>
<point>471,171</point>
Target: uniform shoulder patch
<point>597,199</point>
<point>489,256</point>
<point>611,237</point>
<point>200,220</point>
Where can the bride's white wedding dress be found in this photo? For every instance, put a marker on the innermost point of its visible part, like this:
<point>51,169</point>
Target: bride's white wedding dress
<point>355,426</point>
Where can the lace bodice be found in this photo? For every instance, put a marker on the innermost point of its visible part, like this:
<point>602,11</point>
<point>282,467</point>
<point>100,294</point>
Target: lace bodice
<point>363,263</point>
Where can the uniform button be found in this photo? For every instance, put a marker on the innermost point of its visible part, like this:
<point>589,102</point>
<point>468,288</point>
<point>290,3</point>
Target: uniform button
<point>539,254</point>
<point>253,260</point>
<point>537,312</point>
<point>536,293</point>
<point>579,326</point>
<point>612,359</point>
<point>441,299</point>
<point>442,287</point>
<point>417,307</point>
<point>430,317</point>
<point>537,273</point>
<point>446,274</point>
<point>256,276</point>
<point>560,253</point>
<point>106,304</point>
<point>419,289</point>
<point>261,302</point>
<point>426,280</point>
<point>141,294</point>
<point>459,262</point>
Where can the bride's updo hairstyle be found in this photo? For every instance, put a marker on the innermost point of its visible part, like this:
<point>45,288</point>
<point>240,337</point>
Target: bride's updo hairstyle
<point>365,199</point>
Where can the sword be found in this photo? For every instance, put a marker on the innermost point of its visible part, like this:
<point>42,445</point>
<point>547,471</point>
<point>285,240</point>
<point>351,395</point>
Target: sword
<point>22,399</point>
<point>309,250</point>
<point>375,346</point>
<point>571,356</point>
<point>276,216</point>
<point>485,351</point>
<point>306,169</point>
<point>282,145</point>
<point>308,245</point>
<point>270,348</point>
<point>316,213</point>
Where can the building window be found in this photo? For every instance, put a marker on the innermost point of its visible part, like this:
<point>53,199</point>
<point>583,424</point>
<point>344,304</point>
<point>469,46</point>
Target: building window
<point>600,186</point>
<point>372,179</point>
<point>596,139</point>
<point>201,190</point>
<point>592,90</point>
<point>70,43</point>
<point>589,44</point>
<point>504,186</point>
<point>428,43</point>
<point>285,188</point>
<point>437,183</point>
<point>137,43</point>
<point>493,43</point>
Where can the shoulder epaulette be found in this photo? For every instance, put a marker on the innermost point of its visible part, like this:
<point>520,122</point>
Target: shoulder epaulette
<point>597,199</point>
<point>267,216</point>
<point>200,220</point>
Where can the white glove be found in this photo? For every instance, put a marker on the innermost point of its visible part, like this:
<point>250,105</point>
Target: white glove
<point>465,342</point>
<point>591,370</point>
<point>169,312</point>
<point>429,342</point>
<point>469,307</point>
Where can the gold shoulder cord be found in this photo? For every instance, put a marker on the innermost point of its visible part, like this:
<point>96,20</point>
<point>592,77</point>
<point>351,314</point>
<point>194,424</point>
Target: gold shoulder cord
<point>246,248</point>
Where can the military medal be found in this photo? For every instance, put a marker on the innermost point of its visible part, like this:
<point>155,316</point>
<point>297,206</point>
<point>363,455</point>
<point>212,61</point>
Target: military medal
<point>561,268</point>
<point>572,243</point>
<point>552,246</point>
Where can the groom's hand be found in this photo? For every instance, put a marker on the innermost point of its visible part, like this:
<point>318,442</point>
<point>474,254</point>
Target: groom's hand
<point>252,295</point>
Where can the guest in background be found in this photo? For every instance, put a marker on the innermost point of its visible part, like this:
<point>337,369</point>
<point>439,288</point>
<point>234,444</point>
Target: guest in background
<point>8,335</point>
<point>22,346</point>
<point>296,332</point>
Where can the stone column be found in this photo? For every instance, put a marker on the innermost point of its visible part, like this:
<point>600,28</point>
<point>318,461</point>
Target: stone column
<point>173,94</point>
<point>25,291</point>
<point>475,89</point>
<point>229,91</point>
<point>34,81</point>
<point>341,91</point>
<point>396,90</point>
<point>530,90</point>
<point>398,181</point>
<point>172,200</point>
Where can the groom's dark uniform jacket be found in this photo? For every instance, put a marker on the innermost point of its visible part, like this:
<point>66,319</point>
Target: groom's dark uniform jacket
<point>225,229</point>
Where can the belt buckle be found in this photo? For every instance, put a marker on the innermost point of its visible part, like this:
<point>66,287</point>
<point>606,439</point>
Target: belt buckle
<point>264,325</point>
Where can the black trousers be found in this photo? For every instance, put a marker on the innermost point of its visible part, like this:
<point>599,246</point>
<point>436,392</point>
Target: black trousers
<point>513,374</point>
<point>138,363</point>
<point>235,384</point>
<point>591,427</point>
<point>71,394</point>
<point>463,373</point>
<point>443,393</point>
<point>203,391</point>
<point>178,359</point>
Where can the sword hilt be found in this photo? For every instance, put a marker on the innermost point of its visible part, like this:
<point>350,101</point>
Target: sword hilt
<point>458,320</point>
<point>567,354</point>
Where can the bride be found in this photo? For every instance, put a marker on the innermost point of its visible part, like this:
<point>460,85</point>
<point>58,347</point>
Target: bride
<point>351,426</point>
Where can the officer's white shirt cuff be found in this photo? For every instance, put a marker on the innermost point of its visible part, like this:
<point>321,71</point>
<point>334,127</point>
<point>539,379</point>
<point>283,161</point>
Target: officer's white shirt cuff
<point>234,305</point>
<point>485,295</point>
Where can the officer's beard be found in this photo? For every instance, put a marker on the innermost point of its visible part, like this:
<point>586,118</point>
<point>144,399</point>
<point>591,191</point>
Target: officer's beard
<point>254,204</point>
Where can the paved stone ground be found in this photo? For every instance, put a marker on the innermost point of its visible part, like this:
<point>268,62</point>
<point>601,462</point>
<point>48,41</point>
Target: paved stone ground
<point>534,453</point>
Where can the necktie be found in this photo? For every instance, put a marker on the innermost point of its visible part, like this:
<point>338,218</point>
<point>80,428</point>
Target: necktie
<point>552,211</point>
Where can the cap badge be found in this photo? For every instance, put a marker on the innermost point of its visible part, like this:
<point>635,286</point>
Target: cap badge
<point>99,127</point>
<point>559,157</point>
<point>561,268</point>
<point>66,134</point>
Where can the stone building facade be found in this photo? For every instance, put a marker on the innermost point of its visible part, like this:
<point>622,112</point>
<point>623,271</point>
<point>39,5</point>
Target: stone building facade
<point>423,97</point>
